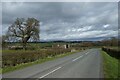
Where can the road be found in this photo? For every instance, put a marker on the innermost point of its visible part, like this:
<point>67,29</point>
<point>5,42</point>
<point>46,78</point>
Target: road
<point>85,64</point>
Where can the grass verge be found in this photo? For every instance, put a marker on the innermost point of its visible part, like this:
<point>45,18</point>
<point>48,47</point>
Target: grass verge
<point>110,66</point>
<point>13,68</point>
<point>0,70</point>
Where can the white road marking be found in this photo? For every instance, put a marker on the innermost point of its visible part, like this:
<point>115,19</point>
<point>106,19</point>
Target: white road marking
<point>86,53</point>
<point>49,72</point>
<point>77,58</point>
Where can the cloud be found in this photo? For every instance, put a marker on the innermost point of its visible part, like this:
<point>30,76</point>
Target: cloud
<point>105,26</point>
<point>85,28</point>
<point>66,20</point>
<point>60,1</point>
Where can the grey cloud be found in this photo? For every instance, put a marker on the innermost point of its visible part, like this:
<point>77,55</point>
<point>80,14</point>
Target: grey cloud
<point>58,18</point>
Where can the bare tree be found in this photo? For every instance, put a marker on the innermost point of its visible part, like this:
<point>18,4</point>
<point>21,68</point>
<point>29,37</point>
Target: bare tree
<point>23,30</point>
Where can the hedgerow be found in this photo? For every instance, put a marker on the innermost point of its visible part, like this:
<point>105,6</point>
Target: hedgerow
<point>15,57</point>
<point>112,52</point>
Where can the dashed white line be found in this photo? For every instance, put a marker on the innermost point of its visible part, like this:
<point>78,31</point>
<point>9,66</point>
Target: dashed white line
<point>86,53</point>
<point>61,67</point>
<point>49,73</point>
<point>77,58</point>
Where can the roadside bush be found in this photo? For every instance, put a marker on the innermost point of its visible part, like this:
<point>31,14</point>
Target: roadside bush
<point>112,52</point>
<point>15,57</point>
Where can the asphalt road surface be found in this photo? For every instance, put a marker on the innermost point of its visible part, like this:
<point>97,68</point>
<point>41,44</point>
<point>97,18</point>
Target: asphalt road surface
<point>85,64</point>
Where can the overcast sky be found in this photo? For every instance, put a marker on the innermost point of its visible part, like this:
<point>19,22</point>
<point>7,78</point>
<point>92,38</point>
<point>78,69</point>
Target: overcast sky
<point>66,21</point>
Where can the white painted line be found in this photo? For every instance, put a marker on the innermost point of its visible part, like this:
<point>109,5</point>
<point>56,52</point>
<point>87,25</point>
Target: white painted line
<point>86,53</point>
<point>50,72</point>
<point>77,58</point>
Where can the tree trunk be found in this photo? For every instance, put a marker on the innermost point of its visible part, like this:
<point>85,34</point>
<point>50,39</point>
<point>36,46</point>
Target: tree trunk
<point>24,46</point>
<point>24,41</point>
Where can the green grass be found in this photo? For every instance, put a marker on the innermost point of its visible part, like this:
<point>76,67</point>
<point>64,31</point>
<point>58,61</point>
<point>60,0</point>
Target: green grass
<point>20,66</point>
<point>110,66</point>
<point>0,70</point>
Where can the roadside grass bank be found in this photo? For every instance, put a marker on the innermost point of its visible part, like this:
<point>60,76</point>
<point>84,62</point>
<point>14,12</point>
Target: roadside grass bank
<point>0,70</point>
<point>110,66</point>
<point>39,61</point>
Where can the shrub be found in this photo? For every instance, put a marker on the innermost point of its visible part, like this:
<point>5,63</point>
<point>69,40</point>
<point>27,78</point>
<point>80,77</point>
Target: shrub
<point>15,57</point>
<point>112,52</point>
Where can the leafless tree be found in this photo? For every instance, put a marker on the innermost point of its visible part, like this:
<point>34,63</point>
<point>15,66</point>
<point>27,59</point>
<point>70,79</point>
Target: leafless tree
<point>24,30</point>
